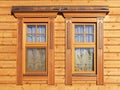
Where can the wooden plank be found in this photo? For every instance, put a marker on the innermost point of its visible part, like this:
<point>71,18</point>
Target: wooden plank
<point>60,49</point>
<point>59,71</point>
<point>7,72</point>
<point>7,79</point>
<point>59,56</point>
<point>8,34</point>
<point>112,71</point>
<point>8,56</point>
<point>111,26</point>
<point>61,2</point>
<point>19,52</point>
<point>82,78</point>
<point>112,34</point>
<point>111,41</point>
<point>112,19</point>
<point>114,10</point>
<point>60,41</point>
<point>112,63</point>
<point>8,41</point>
<point>112,79</point>
<point>112,49</point>
<point>35,82</point>
<point>83,82</point>
<point>111,56</point>
<point>7,18</point>
<point>8,26</point>
<point>5,11</point>
<point>8,49</point>
<point>60,34</point>
<point>59,79</point>
<point>59,64</point>
<point>7,64</point>
<point>35,78</point>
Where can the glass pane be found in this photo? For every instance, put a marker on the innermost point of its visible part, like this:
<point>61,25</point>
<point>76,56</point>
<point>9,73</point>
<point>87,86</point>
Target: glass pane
<point>79,29</point>
<point>41,37</point>
<point>89,29</point>
<point>84,59</point>
<point>31,29</point>
<point>36,60</point>
<point>79,38</point>
<point>90,38</point>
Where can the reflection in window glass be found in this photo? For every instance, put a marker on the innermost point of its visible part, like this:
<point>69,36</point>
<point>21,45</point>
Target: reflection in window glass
<point>36,33</point>
<point>36,60</point>
<point>84,59</point>
<point>84,33</point>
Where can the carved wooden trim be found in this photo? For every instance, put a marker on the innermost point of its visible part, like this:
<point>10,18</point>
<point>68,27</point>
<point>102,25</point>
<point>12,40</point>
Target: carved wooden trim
<point>68,52</point>
<point>51,52</point>
<point>100,64</point>
<point>60,9</point>
<point>19,52</point>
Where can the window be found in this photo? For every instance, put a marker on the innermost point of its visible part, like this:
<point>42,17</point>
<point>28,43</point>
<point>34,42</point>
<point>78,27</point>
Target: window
<point>84,48</point>
<point>35,49</point>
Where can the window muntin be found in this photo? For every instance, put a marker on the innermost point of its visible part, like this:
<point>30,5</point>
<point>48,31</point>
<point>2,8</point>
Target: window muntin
<point>84,48</point>
<point>35,48</point>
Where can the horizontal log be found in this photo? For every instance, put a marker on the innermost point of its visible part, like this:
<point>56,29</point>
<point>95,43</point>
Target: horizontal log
<point>5,11</point>
<point>111,26</point>
<point>8,34</point>
<point>7,64</point>
<point>8,26</point>
<point>7,18</point>
<point>8,49</point>
<point>59,56</point>
<point>59,64</point>
<point>112,49</point>
<point>112,71</point>
<point>112,33</point>
<point>8,41</point>
<point>8,56</point>
<point>111,79</point>
<point>114,64</point>
<point>35,82</point>
<point>60,33</point>
<point>111,56</point>
<point>7,79</point>
<point>60,49</point>
<point>111,41</point>
<point>59,71</point>
<point>114,10</point>
<point>60,41</point>
<point>7,72</point>
<point>112,19</point>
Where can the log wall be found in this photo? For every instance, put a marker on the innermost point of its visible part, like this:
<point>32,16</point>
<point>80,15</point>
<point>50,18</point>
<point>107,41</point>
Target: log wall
<point>8,47</point>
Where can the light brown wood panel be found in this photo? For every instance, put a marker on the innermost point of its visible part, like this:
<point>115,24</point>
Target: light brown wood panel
<point>59,64</point>
<point>8,34</point>
<point>83,82</point>
<point>111,56</point>
<point>112,79</point>
<point>59,71</point>
<point>113,3</point>
<point>112,63</point>
<point>112,19</point>
<point>60,49</point>
<point>112,71</point>
<point>5,10</point>
<point>6,79</point>
<point>7,72</point>
<point>60,33</point>
<point>8,56</point>
<point>60,41</point>
<point>8,26</point>
<point>7,18</point>
<point>112,48</point>
<point>7,64</point>
<point>35,82</point>
<point>59,56</point>
<point>8,49</point>
<point>114,10</point>
<point>8,41</point>
<point>111,41</point>
<point>112,33</point>
<point>111,26</point>
<point>60,79</point>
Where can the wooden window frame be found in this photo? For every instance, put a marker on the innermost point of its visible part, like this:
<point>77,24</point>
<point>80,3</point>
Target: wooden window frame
<point>36,17</point>
<point>71,14</point>
<point>83,45</point>
<point>33,45</point>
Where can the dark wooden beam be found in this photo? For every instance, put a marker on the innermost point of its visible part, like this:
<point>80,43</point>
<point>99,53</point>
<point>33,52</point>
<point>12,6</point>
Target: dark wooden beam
<point>60,9</point>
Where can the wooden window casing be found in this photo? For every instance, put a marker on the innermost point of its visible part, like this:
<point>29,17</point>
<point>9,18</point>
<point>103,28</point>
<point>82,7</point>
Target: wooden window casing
<point>83,45</point>
<point>72,14</point>
<point>33,45</point>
